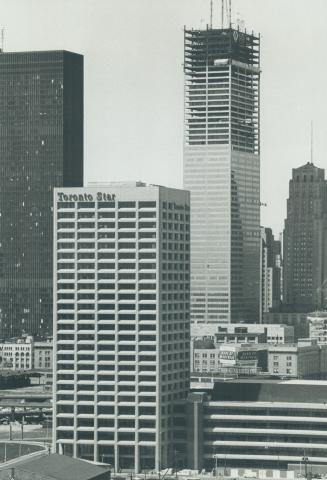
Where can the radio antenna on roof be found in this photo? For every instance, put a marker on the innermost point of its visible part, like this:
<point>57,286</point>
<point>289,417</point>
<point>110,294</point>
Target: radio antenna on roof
<point>2,39</point>
<point>311,146</point>
<point>211,13</point>
<point>230,13</point>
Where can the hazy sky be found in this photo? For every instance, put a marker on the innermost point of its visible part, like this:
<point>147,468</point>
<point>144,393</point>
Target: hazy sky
<point>134,81</point>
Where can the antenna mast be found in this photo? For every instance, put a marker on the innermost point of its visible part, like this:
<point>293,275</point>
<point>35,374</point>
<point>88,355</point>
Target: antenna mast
<point>211,13</point>
<point>311,142</point>
<point>2,38</point>
<point>230,13</point>
<point>222,13</point>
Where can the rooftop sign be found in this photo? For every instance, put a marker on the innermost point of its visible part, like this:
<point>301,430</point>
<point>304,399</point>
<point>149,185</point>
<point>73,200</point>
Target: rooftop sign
<point>86,197</point>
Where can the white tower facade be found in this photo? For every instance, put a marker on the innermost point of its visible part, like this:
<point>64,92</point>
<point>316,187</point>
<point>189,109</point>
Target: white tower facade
<point>121,322</point>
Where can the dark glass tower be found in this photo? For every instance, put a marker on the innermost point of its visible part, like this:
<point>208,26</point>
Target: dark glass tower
<point>41,147</point>
<point>222,171</point>
<point>305,240</point>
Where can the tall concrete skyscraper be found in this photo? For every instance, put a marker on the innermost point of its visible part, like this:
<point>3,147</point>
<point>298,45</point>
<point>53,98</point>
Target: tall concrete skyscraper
<point>305,241</point>
<point>41,147</point>
<point>121,323</point>
<point>222,171</point>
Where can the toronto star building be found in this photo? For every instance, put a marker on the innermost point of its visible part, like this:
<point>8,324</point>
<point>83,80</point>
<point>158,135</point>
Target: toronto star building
<point>222,172</point>
<point>121,322</point>
<point>41,146</point>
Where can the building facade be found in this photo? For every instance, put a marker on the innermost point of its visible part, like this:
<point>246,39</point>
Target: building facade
<point>305,240</point>
<point>41,147</point>
<point>236,424</point>
<point>121,322</point>
<point>222,171</point>
<point>25,353</point>
<point>238,349</point>
<point>318,327</point>
<point>271,271</point>
<point>298,321</point>
<point>230,360</point>
<point>246,333</point>
<point>18,354</point>
<point>305,359</point>
<point>255,333</point>
<point>43,355</point>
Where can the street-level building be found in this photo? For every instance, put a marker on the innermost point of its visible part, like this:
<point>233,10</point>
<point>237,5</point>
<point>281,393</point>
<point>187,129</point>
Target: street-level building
<point>318,326</point>
<point>230,359</point>
<point>306,359</point>
<point>17,354</point>
<point>121,322</point>
<point>43,355</point>
<point>259,422</point>
<point>26,353</point>
<point>46,466</point>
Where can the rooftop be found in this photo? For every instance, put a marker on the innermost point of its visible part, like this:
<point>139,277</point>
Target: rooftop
<point>137,183</point>
<point>60,467</point>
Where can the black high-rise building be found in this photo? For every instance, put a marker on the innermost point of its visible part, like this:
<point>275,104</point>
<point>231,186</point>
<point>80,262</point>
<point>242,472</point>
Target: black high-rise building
<point>41,147</point>
<point>305,241</point>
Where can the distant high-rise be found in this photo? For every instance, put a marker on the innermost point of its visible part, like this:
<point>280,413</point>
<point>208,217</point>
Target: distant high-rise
<point>271,271</point>
<point>41,147</point>
<point>305,240</point>
<point>121,323</point>
<point>222,171</point>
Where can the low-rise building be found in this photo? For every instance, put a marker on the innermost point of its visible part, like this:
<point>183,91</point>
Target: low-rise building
<point>318,327</point>
<point>53,467</point>
<point>254,333</point>
<point>230,359</point>
<point>257,422</point>
<point>17,354</point>
<point>245,333</point>
<point>43,355</point>
<point>298,321</point>
<point>26,354</point>
<point>306,359</point>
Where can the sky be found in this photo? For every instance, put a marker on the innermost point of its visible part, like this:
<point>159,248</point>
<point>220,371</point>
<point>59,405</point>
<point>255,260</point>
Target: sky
<point>134,81</point>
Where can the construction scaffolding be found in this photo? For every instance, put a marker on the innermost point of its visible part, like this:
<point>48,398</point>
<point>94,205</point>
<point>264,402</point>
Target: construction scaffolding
<point>222,75</point>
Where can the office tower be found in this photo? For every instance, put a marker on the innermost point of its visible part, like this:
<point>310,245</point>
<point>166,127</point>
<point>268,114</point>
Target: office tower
<point>270,271</point>
<point>222,171</point>
<point>305,240</point>
<point>41,147</point>
<point>121,322</point>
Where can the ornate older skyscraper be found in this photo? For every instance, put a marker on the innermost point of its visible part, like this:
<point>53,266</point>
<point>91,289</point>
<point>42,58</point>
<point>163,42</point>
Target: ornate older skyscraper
<point>41,147</point>
<point>305,240</point>
<point>222,171</point>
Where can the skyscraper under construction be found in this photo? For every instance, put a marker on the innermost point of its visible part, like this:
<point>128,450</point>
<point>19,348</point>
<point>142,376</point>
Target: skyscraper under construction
<point>222,171</point>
